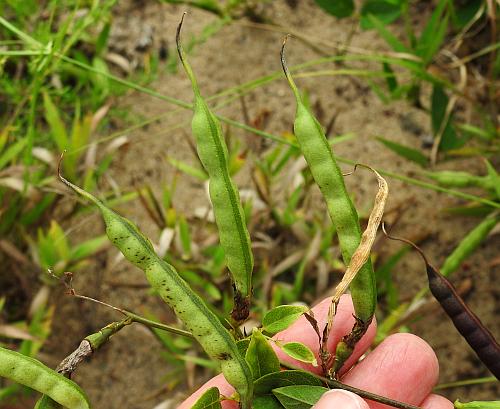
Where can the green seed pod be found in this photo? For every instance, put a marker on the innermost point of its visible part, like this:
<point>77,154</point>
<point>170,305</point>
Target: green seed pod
<point>228,211</point>
<point>47,403</point>
<point>493,404</point>
<point>469,243</point>
<point>188,306</point>
<point>327,175</point>
<point>450,178</point>
<point>342,353</point>
<point>35,375</point>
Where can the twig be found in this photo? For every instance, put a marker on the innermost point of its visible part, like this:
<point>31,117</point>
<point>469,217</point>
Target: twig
<point>68,277</point>
<point>89,345</point>
<point>364,394</point>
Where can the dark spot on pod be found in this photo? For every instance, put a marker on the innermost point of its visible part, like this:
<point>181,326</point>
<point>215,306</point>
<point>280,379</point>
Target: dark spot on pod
<point>223,356</point>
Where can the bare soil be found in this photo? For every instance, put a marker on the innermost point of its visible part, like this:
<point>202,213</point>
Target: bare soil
<point>127,372</point>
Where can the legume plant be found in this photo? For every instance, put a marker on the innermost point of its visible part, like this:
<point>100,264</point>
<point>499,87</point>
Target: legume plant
<point>249,363</point>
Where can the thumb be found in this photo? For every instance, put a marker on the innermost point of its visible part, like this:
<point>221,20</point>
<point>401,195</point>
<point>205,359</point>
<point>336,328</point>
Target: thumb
<point>338,398</point>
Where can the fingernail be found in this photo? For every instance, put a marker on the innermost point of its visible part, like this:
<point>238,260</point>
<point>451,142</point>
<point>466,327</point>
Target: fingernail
<point>338,398</point>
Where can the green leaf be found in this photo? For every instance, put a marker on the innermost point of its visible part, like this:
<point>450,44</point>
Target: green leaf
<point>203,362</point>
<point>267,383</point>
<point>449,138</point>
<point>209,400</point>
<point>411,154</point>
<point>205,286</point>
<point>465,12</point>
<point>433,34</point>
<point>102,39</point>
<point>379,25</point>
<point>47,403</point>
<point>58,238</point>
<point>469,209</point>
<point>81,133</point>
<point>57,128</point>
<point>300,352</point>
<point>188,169</point>
<point>390,80</point>
<point>385,281</point>
<point>493,404</point>
<point>261,357</point>
<point>12,151</point>
<point>88,248</point>
<point>32,215</point>
<point>378,91</point>
<point>243,345</point>
<point>4,136</point>
<point>493,177</point>
<point>476,132</point>
<point>438,107</point>
<point>337,8</point>
<point>100,81</point>
<point>185,237</point>
<point>266,402</point>
<point>386,11</point>
<point>281,317</point>
<point>299,396</point>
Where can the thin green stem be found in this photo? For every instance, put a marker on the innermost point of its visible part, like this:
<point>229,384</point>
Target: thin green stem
<point>135,317</point>
<point>427,185</point>
<point>275,138</point>
<point>379,58</point>
<point>99,338</point>
<point>466,382</point>
<point>155,324</point>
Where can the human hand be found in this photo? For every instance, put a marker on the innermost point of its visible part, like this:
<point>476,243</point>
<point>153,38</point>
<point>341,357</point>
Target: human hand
<point>403,367</point>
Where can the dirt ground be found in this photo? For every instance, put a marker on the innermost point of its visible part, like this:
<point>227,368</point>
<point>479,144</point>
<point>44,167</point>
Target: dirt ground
<point>127,372</point>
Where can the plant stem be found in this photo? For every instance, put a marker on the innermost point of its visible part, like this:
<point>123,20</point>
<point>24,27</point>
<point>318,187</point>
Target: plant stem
<point>136,318</point>
<point>31,41</point>
<point>155,324</point>
<point>465,382</point>
<point>368,395</point>
<point>364,394</point>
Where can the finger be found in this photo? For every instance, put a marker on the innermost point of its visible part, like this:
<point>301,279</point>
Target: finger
<point>224,389</point>
<point>338,398</point>
<point>436,402</point>
<point>302,331</point>
<point>403,367</point>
